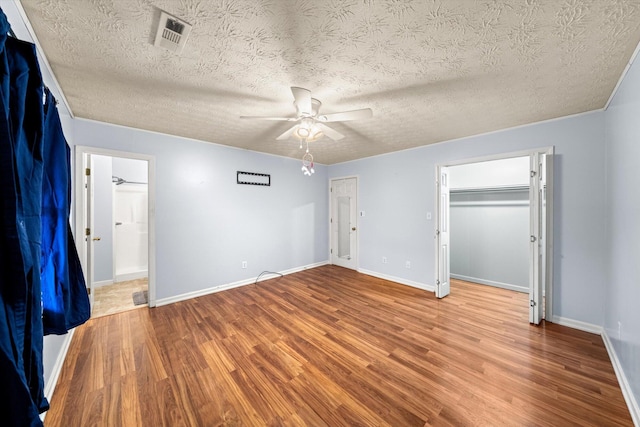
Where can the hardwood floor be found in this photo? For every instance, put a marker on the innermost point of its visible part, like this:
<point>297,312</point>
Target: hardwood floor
<point>332,347</point>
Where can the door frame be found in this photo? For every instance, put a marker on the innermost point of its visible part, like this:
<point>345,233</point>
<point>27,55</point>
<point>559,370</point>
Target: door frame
<point>548,291</point>
<point>357,218</point>
<point>80,202</point>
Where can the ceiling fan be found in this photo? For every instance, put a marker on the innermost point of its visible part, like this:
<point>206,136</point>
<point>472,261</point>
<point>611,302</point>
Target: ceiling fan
<point>311,126</point>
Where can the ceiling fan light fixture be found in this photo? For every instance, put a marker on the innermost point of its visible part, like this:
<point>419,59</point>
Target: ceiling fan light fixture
<point>302,132</point>
<point>308,130</point>
<point>315,134</point>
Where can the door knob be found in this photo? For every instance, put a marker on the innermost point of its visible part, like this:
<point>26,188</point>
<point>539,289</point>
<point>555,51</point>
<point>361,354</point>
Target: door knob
<point>353,229</point>
<point>95,239</point>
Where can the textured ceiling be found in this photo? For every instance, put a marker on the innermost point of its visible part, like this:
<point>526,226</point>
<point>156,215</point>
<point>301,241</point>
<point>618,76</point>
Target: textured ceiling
<point>430,70</point>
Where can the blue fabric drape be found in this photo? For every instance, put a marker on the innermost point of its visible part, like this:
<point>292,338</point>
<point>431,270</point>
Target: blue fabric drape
<point>21,391</point>
<point>64,293</point>
<point>37,252</point>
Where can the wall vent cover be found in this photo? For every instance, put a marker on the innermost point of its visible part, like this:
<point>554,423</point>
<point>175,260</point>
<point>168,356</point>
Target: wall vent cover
<point>172,33</point>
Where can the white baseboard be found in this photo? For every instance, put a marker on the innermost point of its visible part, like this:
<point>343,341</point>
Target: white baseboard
<point>577,324</point>
<point>411,283</point>
<point>102,283</point>
<point>220,288</point>
<point>491,283</point>
<point>632,403</point>
<point>52,381</point>
<point>131,276</point>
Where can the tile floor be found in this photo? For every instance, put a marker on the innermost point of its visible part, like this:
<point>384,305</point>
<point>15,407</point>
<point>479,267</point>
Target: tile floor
<point>117,297</point>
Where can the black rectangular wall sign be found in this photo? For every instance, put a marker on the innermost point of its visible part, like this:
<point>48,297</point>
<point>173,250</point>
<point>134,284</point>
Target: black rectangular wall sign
<point>252,178</point>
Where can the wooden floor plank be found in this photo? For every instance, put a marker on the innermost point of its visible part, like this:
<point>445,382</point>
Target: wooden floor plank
<point>332,347</point>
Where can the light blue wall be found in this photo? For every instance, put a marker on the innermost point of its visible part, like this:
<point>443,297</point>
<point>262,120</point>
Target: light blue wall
<point>206,224</point>
<point>623,226</point>
<point>397,190</point>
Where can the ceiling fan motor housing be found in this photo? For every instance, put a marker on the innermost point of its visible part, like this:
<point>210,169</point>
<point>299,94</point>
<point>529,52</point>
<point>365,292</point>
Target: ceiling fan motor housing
<point>315,107</point>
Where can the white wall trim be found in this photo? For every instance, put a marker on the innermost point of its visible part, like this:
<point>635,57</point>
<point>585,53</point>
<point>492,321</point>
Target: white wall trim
<point>632,403</point>
<point>132,276</point>
<point>399,280</point>
<point>502,285</point>
<point>622,76</point>
<point>220,288</point>
<point>555,119</point>
<point>188,139</point>
<point>52,381</point>
<point>102,283</point>
<point>577,324</point>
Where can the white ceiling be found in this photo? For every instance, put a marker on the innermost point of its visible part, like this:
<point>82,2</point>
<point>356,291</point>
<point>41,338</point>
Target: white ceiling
<point>431,70</point>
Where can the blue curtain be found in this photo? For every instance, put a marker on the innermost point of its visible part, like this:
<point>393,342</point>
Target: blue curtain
<point>64,292</point>
<point>35,236</point>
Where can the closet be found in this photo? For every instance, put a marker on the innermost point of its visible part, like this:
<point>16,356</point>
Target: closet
<point>489,223</point>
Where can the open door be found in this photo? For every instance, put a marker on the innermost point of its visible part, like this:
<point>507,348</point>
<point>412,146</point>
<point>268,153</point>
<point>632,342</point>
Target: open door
<point>541,202</point>
<point>344,223</point>
<point>443,285</point>
<point>88,227</point>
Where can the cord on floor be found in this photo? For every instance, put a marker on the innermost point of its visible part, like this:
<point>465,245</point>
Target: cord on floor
<point>267,272</point>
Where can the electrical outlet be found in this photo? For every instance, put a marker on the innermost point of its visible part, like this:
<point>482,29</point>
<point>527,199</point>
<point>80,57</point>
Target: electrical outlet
<point>407,264</point>
<point>384,259</point>
<point>619,330</point>
<point>244,264</point>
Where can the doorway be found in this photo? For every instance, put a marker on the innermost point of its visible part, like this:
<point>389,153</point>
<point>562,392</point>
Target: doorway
<point>115,214</point>
<point>538,181</point>
<point>344,222</point>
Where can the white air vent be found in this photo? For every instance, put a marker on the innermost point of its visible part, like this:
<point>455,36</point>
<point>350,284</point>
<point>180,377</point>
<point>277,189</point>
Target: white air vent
<point>172,33</point>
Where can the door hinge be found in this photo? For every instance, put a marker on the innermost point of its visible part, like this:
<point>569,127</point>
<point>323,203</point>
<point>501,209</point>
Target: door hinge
<point>87,171</point>
<point>437,232</point>
<point>331,250</point>
<point>437,282</point>
<point>532,303</point>
<point>87,231</point>
<point>533,239</point>
<point>331,220</point>
<point>88,291</point>
<point>533,173</point>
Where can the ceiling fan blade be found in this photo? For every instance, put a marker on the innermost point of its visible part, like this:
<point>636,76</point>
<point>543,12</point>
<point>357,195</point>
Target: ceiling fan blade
<point>282,119</point>
<point>288,133</point>
<point>344,116</point>
<point>303,100</point>
<point>333,134</point>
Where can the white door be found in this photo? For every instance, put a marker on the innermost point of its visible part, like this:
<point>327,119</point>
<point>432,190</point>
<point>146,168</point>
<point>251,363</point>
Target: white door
<point>344,227</point>
<point>88,226</point>
<point>537,239</point>
<point>443,267</point>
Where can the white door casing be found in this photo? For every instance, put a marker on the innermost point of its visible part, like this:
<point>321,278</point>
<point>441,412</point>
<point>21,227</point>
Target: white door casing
<point>82,200</point>
<point>443,264</point>
<point>344,219</point>
<point>541,218</point>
